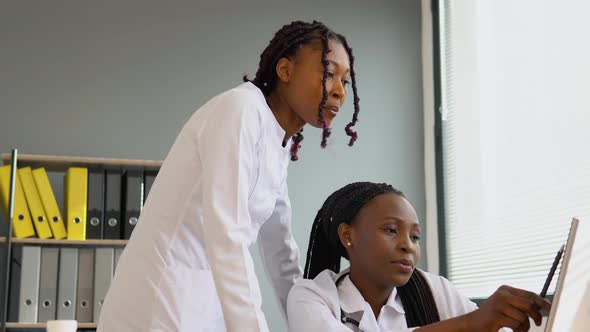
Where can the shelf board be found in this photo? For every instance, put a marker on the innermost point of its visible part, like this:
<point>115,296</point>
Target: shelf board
<point>34,241</point>
<point>42,325</point>
<point>62,162</point>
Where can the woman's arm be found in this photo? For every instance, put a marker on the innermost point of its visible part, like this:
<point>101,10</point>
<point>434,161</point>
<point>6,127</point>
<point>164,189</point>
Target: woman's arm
<point>279,250</point>
<point>507,307</point>
<point>226,148</point>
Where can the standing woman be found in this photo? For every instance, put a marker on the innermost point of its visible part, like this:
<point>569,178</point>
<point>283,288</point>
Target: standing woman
<point>222,187</point>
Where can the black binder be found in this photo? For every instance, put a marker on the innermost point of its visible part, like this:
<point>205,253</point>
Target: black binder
<point>15,284</point>
<point>112,220</point>
<point>133,185</point>
<point>149,178</point>
<point>96,192</point>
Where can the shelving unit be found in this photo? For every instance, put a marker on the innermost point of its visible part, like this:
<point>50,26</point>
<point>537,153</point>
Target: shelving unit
<point>51,242</point>
<point>58,163</point>
<point>54,163</point>
<point>21,326</point>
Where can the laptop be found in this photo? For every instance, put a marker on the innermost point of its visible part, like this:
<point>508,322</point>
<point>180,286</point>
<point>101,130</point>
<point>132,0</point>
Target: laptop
<point>565,304</point>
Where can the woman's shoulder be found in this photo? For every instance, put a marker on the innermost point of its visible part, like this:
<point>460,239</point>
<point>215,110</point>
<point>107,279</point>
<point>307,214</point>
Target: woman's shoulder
<point>435,278</point>
<point>232,109</point>
<point>439,283</point>
<point>324,282</point>
<point>243,96</point>
<point>322,288</point>
<point>449,300</point>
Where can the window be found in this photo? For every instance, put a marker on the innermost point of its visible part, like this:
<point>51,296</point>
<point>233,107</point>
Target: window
<point>515,81</point>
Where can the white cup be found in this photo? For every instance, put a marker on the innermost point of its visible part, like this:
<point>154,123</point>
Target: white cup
<point>62,326</point>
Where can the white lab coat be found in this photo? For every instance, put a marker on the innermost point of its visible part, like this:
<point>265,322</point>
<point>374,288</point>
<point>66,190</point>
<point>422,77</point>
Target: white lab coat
<point>314,305</point>
<point>187,266</point>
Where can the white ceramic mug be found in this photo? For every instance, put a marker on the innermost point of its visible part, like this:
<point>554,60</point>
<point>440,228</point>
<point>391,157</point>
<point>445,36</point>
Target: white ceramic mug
<point>62,326</point>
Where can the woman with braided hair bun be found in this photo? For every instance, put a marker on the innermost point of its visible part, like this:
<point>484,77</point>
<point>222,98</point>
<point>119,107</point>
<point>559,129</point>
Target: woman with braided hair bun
<point>377,230</point>
<point>223,186</point>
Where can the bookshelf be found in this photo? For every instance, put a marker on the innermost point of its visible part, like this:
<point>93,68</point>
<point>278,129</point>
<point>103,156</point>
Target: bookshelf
<point>52,242</point>
<point>54,163</point>
<point>22,326</point>
<point>58,163</point>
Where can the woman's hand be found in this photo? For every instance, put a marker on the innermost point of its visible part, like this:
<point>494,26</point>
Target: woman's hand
<point>508,307</point>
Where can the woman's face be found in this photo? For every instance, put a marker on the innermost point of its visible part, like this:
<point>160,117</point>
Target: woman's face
<point>384,238</point>
<point>303,86</point>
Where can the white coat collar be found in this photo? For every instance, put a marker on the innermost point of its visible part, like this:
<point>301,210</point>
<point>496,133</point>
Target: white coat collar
<point>278,131</point>
<point>352,301</point>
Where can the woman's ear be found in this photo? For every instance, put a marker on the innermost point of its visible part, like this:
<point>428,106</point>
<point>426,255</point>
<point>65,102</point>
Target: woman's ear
<point>284,70</point>
<point>345,233</point>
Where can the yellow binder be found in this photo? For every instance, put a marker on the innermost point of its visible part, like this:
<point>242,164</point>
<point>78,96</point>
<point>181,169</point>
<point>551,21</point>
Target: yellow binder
<point>47,196</point>
<point>76,197</point>
<point>49,203</point>
<point>22,226</point>
<point>35,206</point>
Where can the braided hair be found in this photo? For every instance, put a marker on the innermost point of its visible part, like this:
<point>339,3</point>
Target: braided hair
<point>325,248</point>
<point>285,43</point>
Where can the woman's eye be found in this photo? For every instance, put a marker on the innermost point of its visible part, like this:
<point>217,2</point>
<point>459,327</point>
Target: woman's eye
<point>391,230</point>
<point>345,82</point>
<point>330,75</point>
<point>416,238</point>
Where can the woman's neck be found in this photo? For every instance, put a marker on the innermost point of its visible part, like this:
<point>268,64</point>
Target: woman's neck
<point>373,293</point>
<point>286,117</point>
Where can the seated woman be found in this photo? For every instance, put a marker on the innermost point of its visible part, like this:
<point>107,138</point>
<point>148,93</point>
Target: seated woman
<point>376,229</point>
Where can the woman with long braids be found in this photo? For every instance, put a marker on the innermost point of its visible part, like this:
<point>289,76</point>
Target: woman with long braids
<point>377,230</point>
<point>223,186</point>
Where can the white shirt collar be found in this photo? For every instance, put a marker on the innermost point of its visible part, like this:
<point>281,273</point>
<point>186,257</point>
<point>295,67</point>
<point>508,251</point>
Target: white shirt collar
<point>278,131</point>
<point>352,301</point>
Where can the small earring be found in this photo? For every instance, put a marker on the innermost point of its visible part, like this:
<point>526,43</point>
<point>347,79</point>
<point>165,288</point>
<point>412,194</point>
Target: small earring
<point>348,244</point>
